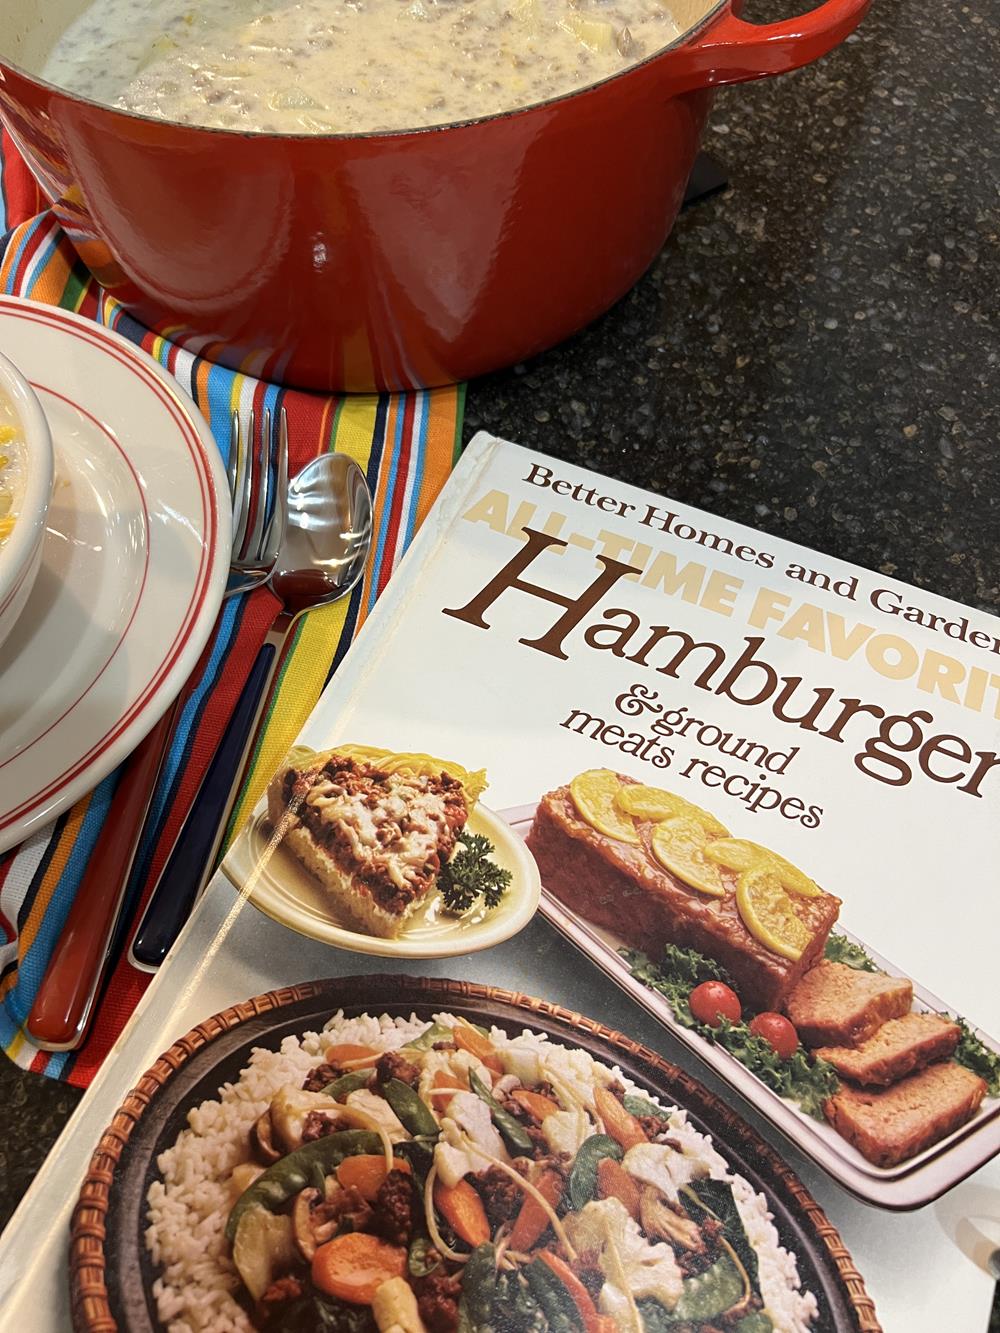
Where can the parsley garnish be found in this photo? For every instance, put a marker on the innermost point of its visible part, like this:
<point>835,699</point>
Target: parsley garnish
<point>839,949</point>
<point>470,874</point>
<point>972,1053</point>
<point>802,1079</point>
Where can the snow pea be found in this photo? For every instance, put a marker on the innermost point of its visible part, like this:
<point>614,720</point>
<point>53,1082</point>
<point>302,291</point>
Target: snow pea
<point>711,1293</point>
<point>703,1298</point>
<point>429,1037</point>
<point>513,1133</point>
<point>560,1309</point>
<point>346,1083</point>
<point>640,1106</point>
<point>438,1032</point>
<point>419,1155</point>
<point>716,1198</point>
<point>422,1258</point>
<point>583,1177</point>
<point>414,1115</point>
<point>286,1177</point>
<point>479,1285</point>
<point>758,1322</point>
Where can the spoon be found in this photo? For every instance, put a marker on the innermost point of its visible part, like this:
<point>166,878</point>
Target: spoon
<point>323,554</point>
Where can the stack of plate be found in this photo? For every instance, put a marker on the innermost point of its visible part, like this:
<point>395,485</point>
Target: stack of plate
<point>133,568</point>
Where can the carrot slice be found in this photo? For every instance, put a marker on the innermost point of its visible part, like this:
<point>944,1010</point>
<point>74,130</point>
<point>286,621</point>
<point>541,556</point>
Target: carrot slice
<point>439,1100</point>
<point>615,1183</point>
<point>348,1053</point>
<point>623,1127</point>
<point>532,1219</point>
<point>579,1294</point>
<point>468,1039</point>
<point>537,1105</point>
<point>352,1267</point>
<point>367,1173</point>
<point>463,1210</point>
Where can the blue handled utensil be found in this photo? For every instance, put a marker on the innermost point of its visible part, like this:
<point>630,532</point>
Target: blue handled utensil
<point>323,554</point>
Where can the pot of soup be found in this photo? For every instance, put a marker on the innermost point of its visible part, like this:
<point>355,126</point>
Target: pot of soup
<point>375,194</point>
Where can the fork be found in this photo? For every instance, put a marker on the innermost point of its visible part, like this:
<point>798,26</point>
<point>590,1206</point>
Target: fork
<point>107,896</point>
<point>253,554</point>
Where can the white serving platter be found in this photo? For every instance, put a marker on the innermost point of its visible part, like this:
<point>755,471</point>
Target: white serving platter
<point>911,1184</point>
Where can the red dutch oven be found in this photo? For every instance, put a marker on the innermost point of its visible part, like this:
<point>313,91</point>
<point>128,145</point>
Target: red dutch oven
<point>387,261</point>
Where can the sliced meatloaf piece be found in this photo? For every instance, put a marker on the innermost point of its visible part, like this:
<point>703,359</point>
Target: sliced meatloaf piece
<point>623,888</point>
<point>891,1125</point>
<point>897,1048</point>
<point>836,1005</point>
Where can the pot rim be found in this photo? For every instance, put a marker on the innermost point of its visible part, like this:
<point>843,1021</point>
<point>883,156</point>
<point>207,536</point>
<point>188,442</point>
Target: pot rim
<point>714,13</point>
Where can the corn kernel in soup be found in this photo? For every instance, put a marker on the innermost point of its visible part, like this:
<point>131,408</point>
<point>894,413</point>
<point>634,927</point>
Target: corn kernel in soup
<point>324,66</point>
<point>11,468</point>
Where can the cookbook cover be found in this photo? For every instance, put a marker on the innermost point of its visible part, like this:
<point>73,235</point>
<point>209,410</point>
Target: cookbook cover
<point>748,784</point>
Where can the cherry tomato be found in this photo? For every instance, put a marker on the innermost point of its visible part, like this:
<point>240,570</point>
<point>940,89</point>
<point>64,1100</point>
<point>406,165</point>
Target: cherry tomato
<point>779,1034</point>
<point>713,1001</point>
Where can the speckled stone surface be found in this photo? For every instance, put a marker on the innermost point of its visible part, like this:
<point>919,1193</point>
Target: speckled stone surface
<point>34,1110</point>
<point>815,352</point>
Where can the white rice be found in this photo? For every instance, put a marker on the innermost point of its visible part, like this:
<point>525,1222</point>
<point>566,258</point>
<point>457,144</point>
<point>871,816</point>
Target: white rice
<point>187,1209</point>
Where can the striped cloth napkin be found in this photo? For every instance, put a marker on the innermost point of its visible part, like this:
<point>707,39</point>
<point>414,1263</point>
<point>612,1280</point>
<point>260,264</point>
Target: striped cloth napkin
<point>406,444</point>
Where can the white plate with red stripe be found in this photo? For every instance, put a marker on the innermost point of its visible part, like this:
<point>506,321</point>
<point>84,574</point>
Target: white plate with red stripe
<point>133,569</point>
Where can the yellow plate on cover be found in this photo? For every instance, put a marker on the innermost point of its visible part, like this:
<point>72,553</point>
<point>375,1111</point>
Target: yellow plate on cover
<point>275,882</point>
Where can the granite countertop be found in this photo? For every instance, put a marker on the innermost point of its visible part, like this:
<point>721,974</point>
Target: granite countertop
<point>814,353</point>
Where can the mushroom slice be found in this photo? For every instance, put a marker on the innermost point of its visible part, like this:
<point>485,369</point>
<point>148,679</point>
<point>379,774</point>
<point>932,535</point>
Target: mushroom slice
<point>314,1222</point>
<point>660,1222</point>
<point>262,1141</point>
<point>302,1230</point>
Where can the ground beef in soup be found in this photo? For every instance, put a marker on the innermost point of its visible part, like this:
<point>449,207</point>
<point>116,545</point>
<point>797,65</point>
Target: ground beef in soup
<point>323,66</point>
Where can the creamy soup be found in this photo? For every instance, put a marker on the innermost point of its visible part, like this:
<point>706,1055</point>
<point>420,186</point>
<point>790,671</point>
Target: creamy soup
<point>11,468</point>
<point>317,66</point>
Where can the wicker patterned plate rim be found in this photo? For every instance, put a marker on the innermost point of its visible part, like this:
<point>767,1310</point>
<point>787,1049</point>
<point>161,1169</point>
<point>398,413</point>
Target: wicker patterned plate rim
<point>92,1312</point>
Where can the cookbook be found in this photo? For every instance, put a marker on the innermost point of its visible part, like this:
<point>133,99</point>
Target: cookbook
<point>634,866</point>
<point>752,783</point>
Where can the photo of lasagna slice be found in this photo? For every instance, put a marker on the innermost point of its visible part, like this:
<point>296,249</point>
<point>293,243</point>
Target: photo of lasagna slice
<point>375,835</point>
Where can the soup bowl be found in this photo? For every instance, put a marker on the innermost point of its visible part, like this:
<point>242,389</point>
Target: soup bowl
<point>387,260</point>
<point>21,553</point>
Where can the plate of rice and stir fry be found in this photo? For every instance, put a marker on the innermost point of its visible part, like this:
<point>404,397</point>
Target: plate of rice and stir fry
<point>399,1155</point>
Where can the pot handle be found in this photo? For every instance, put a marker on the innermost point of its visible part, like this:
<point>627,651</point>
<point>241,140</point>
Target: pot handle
<point>733,51</point>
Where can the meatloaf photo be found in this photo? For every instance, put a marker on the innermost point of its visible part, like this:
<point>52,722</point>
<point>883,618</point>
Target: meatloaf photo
<point>624,888</point>
<point>835,1005</point>
<point>900,1047</point>
<point>891,1125</point>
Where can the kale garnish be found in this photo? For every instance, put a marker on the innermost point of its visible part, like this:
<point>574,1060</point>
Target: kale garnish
<point>676,976</point>
<point>470,874</point>
<point>839,949</point>
<point>802,1079</point>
